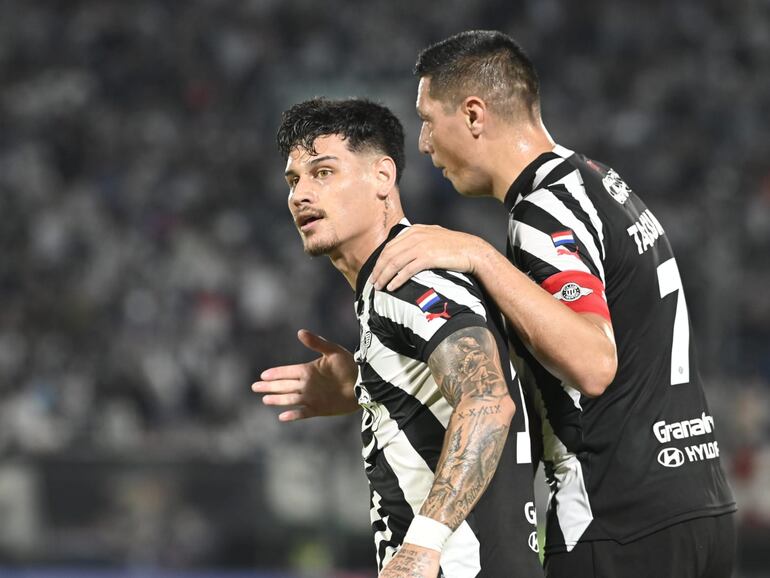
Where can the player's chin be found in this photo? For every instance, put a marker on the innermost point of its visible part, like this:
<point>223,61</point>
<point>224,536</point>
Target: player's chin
<point>458,183</point>
<point>464,189</point>
<point>468,188</point>
<point>316,248</point>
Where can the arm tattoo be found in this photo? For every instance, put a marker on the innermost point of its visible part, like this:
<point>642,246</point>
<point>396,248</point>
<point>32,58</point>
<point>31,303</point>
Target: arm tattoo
<point>408,563</point>
<point>467,364</point>
<point>467,369</point>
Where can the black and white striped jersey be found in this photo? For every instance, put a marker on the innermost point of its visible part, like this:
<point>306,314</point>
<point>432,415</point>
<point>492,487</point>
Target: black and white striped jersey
<point>643,455</point>
<point>405,419</point>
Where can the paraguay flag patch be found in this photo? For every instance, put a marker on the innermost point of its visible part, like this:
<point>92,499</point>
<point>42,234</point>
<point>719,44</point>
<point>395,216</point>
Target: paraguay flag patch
<point>561,238</point>
<point>427,299</point>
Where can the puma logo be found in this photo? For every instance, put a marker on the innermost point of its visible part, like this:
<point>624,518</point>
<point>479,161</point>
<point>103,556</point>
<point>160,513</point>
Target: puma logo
<point>443,314</point>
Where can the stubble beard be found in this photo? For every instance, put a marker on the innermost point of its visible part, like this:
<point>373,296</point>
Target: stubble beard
<point>322,246</point>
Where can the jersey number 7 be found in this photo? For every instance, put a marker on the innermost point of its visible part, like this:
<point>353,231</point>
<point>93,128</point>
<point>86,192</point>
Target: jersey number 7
<point>669,282</point>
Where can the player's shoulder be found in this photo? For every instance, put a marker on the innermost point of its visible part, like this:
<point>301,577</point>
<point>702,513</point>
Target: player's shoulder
<point>433,291</point>
<point>449,283</point>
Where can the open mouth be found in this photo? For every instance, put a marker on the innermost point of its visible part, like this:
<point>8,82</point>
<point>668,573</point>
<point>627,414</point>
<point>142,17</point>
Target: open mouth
<point>306,221</point>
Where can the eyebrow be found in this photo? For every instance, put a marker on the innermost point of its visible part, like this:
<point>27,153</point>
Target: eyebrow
<point>314,162</point>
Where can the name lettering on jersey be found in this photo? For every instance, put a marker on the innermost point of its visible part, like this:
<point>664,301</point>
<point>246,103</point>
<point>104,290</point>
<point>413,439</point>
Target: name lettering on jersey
<point>616,186</point>
<point>645,231</point>
<point>679,430</point>
<point>572,292</point>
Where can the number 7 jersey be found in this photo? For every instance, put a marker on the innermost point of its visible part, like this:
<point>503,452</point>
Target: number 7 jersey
<point>643,455</point>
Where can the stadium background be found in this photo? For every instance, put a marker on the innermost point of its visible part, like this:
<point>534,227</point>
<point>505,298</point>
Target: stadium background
<point>149,269</point>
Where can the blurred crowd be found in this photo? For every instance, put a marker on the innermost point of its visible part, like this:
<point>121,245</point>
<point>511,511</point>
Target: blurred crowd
<point>149,269</point>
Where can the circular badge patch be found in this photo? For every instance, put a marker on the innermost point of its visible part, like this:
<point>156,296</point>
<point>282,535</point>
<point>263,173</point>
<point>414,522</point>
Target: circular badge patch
<point>571,292</point>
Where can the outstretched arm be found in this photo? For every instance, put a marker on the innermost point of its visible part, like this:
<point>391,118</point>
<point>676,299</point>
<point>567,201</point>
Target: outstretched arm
<point>320,387</point>
<point>579,348</point>
<point>468,371</point>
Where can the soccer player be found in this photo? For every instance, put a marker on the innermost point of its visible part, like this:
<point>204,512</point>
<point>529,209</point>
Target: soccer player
<point>446,443</point>
<point>595,306</point>
<point>596,313</point>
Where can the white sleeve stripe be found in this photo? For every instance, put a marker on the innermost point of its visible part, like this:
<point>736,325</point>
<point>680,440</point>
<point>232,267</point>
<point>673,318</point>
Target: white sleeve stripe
<point>574,184</point>
<point>387,306</point>
<point>461,276</point>
<point>451,291</point>
<point>539,244</point>
<point>548,202</point>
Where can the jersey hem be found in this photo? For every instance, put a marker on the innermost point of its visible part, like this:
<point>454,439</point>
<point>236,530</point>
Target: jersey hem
<point>694,515</point>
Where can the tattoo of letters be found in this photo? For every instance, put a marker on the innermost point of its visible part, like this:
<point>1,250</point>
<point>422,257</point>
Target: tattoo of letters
<point>408,563</point>
<point>467,369</point>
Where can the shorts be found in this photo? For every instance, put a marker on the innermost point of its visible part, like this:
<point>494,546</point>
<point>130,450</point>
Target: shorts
<point>699,548</point>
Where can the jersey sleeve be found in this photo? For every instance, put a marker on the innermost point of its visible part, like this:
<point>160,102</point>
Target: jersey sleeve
<point>428,308</point>
<point>556,237</point>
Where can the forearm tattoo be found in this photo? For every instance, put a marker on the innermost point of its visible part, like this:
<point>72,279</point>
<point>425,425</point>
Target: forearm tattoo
<point>467,369</point>
<point>408,563</point>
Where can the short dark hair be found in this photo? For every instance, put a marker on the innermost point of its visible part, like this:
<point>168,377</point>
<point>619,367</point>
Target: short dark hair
<point>363,124</point>
<point>486,63</point>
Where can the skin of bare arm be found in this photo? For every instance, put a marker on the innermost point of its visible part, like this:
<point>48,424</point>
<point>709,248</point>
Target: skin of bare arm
<point>579,348</point>
<point>412,562</point>
<point>468,371</point>
<point>467,368</point>
<point>321,387</point>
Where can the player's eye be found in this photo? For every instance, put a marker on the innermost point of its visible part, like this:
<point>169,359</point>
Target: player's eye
<point>323,173</point>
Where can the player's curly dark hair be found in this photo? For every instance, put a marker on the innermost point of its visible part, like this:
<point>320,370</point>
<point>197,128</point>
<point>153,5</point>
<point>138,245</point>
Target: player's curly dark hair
<point>362,123</point>
<point>485,63</point>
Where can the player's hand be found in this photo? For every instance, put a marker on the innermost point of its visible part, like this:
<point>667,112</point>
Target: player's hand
<point>413,562</point>
<point>424,247</point>
<point>320,387</point>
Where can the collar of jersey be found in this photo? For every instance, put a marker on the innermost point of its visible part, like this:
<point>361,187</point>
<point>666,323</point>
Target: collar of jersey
<point>366,270</point>
<point>523,183</point>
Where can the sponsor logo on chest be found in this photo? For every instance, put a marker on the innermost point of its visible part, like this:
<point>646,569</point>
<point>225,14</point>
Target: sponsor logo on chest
<point>674,457</point>
<point>679,430</point>
<point>671,457</point>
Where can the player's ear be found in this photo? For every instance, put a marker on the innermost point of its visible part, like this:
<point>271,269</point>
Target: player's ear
<point>474,111</point>
<point>385,173</point>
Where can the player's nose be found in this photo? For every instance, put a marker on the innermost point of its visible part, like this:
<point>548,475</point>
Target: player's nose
<point>424,141</point>
<point>301,194</point>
